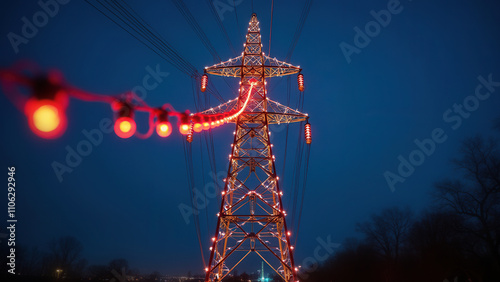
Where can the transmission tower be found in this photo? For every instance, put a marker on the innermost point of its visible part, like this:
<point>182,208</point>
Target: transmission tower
<point>251,220</point>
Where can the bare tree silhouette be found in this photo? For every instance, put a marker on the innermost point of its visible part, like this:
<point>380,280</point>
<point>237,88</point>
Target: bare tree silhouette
<point>388,230</point>
<point>65,255</point>
<point>475,194</point>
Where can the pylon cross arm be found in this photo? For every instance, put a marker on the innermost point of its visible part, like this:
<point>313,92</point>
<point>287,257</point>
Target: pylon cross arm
<point>269,71</point>
<point>234,67</point>
<point>276,112</point>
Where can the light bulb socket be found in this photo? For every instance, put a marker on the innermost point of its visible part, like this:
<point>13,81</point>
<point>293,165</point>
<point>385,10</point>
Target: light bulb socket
<point>162,115</point>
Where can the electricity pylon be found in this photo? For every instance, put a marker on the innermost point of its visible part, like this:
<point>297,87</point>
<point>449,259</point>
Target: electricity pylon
<point>251,220</point>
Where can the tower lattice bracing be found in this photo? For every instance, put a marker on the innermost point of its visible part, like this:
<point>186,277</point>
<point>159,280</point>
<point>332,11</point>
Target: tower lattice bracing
<point>251,221</point>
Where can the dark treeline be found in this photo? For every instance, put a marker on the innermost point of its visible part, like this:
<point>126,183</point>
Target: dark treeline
<point>62,261</point>
<point>456,239</point>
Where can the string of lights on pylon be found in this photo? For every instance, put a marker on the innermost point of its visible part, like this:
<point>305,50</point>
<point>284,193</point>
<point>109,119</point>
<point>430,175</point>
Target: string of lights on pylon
<point>49,96</point>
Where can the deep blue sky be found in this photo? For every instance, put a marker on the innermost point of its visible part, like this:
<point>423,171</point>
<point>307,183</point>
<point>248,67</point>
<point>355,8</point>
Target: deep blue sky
<point>122,200</point>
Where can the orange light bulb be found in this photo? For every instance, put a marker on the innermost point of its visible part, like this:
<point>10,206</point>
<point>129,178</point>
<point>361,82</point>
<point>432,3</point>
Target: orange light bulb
<point>197,127</point>
<point>206,126</point>
<point>164,129</point>
<point>184,129</point>
<point>125,126</point>
<point>46,118</point>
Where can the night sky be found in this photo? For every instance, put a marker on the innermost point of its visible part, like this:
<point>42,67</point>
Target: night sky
<point>122,200</point>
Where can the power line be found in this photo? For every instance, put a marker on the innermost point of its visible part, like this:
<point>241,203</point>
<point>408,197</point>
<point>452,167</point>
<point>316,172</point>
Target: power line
<point>146,35</point>
<point>181,6</point>
<point>221,26</point>
<point>298,29</point>
<point>120,13</point>
<point>154,38</point>
<point>271,29</point>
<point>304,183</point>
<point>188,155</point>
<point>236,15</point>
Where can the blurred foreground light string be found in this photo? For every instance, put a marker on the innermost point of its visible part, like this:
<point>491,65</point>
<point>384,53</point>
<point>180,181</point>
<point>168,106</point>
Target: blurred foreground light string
<point>44,97</point>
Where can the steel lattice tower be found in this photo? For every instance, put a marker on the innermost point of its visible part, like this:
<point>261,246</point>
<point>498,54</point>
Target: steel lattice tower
<point>251,220</point>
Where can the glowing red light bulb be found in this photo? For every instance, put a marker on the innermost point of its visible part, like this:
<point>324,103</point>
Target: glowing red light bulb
<point>125,127</point>
<point>164,129</point>
<point>197,123</point>
<point>206,125</point>
<point>184,128</point>
<point>197,127</point>
<point>185,123</point>
<point>46,118</point>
